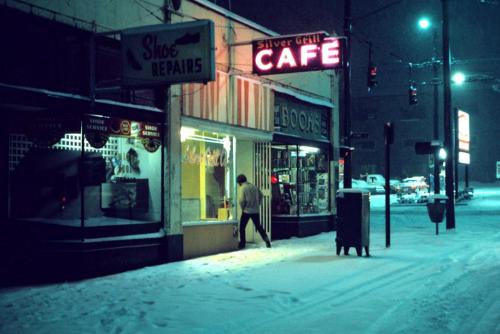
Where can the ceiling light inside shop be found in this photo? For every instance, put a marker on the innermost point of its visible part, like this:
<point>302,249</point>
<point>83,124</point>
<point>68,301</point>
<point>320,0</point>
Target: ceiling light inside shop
<point>226,142</point>
<point>186,133</point>
<point>308,149</point>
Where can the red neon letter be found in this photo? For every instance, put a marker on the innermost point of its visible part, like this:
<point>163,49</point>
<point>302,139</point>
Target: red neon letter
<point>259,61</point>
<point>330,52</point>
<point>286,57</point>
<point>306,52</point>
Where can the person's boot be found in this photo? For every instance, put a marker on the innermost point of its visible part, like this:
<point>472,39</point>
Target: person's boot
<point>241,245</point>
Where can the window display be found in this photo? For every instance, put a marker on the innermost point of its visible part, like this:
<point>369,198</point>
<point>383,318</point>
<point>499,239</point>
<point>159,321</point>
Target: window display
<point>118,180</point>
<point>299,180</point>
<point>207,175</point>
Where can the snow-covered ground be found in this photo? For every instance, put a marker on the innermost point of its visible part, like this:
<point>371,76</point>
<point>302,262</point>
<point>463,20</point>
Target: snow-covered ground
<point>423,283</point>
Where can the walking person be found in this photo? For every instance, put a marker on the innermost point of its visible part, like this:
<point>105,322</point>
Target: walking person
<point>250,198</point>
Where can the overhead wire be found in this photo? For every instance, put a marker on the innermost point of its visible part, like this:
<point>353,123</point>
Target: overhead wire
<point>149,11</point>
<point>93,25</point>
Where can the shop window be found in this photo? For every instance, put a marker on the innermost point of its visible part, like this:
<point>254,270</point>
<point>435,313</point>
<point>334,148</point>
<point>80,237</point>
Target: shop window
<point>207,176</point>
<point>300,180</point>
<point>119,176</point>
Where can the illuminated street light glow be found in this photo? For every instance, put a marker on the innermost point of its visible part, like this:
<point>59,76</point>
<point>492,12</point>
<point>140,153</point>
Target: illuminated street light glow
<point>458,78</point>
<point>424,23</point>
<point>442,154</point>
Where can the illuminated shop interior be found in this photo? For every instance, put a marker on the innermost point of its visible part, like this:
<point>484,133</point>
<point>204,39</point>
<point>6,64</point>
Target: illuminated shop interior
<point>299,180</point>
<point>208,186</point>
<point>117,182</point>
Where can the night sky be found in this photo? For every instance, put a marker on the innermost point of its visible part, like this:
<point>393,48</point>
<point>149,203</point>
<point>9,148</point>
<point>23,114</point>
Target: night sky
<point>391,26</point>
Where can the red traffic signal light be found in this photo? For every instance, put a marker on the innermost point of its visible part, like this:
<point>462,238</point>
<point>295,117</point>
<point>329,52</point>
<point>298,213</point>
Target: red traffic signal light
<point>372,76</point>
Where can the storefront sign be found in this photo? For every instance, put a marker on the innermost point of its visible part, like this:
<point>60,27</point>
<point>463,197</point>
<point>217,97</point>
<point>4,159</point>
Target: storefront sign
<point>98,129</point>
<point>211,157</point>
<point>168,53</point>
<point>463,138</point>
<point>298,53</point>
<point>300,119</point>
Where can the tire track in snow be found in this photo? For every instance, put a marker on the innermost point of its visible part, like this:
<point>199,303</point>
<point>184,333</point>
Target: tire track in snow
<point>308,309</point>
<point>441,307</point>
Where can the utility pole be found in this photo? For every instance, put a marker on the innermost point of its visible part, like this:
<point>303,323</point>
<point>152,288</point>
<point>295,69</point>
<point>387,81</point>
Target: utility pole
<point>347,92</point>
<point>435,114</point>
<point>448,120</point>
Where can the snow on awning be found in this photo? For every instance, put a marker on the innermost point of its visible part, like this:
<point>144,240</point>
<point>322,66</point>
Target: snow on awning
<point>127,105</point>
<point>31,98</point>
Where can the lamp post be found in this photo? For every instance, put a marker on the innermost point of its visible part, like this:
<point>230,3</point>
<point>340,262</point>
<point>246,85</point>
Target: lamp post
<point>425,24</point>
<point>448,119</point>
<point>347,92</point>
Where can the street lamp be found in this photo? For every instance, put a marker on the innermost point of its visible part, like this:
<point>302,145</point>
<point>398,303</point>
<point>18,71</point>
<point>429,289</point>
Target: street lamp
<point>442,154</point>
<point>424,23</point>
<point>458,78</point>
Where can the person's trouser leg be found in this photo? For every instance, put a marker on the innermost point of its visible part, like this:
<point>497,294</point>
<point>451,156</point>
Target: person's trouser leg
<point>243,224</point>
<point>256,221</point>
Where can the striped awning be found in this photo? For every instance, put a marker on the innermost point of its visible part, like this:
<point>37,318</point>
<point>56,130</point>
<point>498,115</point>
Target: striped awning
<point>247,103</point>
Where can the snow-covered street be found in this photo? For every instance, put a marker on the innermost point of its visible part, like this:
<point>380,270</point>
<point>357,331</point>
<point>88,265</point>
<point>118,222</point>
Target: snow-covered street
<point>423,283</point>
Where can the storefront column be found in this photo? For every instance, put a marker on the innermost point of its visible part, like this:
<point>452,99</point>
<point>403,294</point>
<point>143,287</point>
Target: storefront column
<point>172,190</point>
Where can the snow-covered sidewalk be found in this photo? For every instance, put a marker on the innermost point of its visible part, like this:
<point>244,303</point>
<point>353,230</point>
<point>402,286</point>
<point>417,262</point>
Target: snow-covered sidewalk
<point>423,283</point>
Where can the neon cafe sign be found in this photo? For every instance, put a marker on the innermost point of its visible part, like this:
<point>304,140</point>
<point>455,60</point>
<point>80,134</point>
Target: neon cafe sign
<point>296,53</point>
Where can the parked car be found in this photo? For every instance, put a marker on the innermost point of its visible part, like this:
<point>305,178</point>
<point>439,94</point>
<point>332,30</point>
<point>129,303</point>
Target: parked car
<point>377,179</point>
<point>415,197</point>
<point>363,185</point>
<point>395,185</point>
<point>413,184</point>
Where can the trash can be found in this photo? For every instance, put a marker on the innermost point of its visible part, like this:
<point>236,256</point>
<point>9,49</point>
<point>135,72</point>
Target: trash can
<point>353,221</point>
<point>436,207</point>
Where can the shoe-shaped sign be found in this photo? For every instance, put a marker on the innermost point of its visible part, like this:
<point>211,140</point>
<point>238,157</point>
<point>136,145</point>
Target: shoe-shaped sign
<point>168,53</point>
<point>296,53</point>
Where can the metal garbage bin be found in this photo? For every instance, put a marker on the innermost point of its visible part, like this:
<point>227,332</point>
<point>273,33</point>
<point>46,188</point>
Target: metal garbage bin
<point>353,220</point>
<point>436,207</point>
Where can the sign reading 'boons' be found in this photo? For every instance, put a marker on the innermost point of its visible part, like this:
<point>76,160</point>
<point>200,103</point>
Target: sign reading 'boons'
<point>168,53</point>
<point>293,117</point>
<point>297,53</point>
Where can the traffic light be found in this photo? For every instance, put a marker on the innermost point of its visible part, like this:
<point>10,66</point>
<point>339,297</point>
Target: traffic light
<point>412,93</point>
<point>345,151</point>
<point>372,76</point>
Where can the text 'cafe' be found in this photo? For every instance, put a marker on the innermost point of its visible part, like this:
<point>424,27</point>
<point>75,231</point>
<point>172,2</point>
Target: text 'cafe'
<point>298,53</point>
